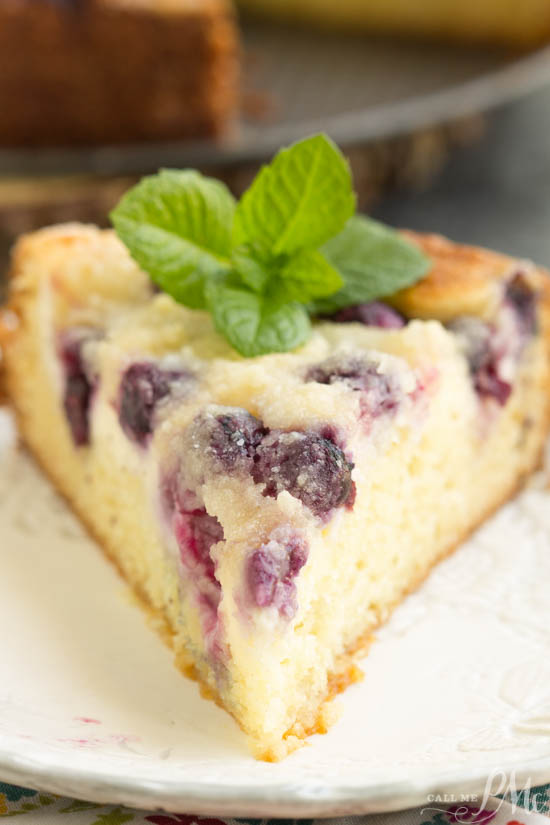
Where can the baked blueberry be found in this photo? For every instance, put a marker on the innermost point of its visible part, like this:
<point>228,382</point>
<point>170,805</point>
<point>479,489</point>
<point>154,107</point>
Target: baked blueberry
<point>271,570</point>
<point>381,392</point>
<point>372,314</point>
<point>521,296</point>
<point>308,466</point>
<point>230,438</point>
<point>142,387</point>
<point>478,340</point>
<point>79,383</point>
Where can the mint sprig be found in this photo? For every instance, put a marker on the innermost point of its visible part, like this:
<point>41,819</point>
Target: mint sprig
<point>289,248</point>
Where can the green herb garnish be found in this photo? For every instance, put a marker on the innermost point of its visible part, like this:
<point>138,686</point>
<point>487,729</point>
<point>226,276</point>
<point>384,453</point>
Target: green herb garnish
<point>291,246</point>
<point>374,261</point>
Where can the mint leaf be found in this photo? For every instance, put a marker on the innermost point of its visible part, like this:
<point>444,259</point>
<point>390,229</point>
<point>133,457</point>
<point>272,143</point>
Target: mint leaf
<point>306,276</point>
<point>299,201</point>
<point>252,271</point>
<point>253,324</point>
<point>374,261</point>
<point>178,227</point>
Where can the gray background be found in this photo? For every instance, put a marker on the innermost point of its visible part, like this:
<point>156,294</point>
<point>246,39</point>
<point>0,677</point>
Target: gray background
<point>495,193</point>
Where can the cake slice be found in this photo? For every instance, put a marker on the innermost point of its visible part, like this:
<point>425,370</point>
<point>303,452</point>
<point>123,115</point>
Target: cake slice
<point>273,510</point>
<point>272,455</point>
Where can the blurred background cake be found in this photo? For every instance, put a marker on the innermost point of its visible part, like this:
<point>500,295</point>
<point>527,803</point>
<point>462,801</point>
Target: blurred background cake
<point>111,71</point>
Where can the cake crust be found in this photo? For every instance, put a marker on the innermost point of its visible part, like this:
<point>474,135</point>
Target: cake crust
<point>463,280</point>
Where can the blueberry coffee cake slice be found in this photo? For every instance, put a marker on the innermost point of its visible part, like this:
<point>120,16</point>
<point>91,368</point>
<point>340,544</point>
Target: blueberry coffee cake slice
<point>274,421</point>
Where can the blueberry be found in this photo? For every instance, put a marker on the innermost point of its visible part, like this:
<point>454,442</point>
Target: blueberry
<point>77,404</point>
<point>524,301</point>
<point>142,387</point>
<point>373,314</point>
<point>477,339</point>
<point>264,571</point>
<point>308,466</point>
<point>381,392</point>
<point>79,384</point>
<point>271,571</point>
<point>475,336</point>
<point>489,385</point>
<point>230,438</point>
<point>196,532</point>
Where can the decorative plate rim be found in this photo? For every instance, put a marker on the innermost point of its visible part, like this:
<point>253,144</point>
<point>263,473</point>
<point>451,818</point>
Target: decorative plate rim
<point>308,797</point>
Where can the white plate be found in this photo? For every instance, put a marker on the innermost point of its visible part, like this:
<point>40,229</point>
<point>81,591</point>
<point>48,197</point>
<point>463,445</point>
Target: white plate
<point>91,706</point>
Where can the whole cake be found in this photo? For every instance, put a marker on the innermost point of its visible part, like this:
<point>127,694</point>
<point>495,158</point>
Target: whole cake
<point>107,71</point>
<point>274,508</point>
